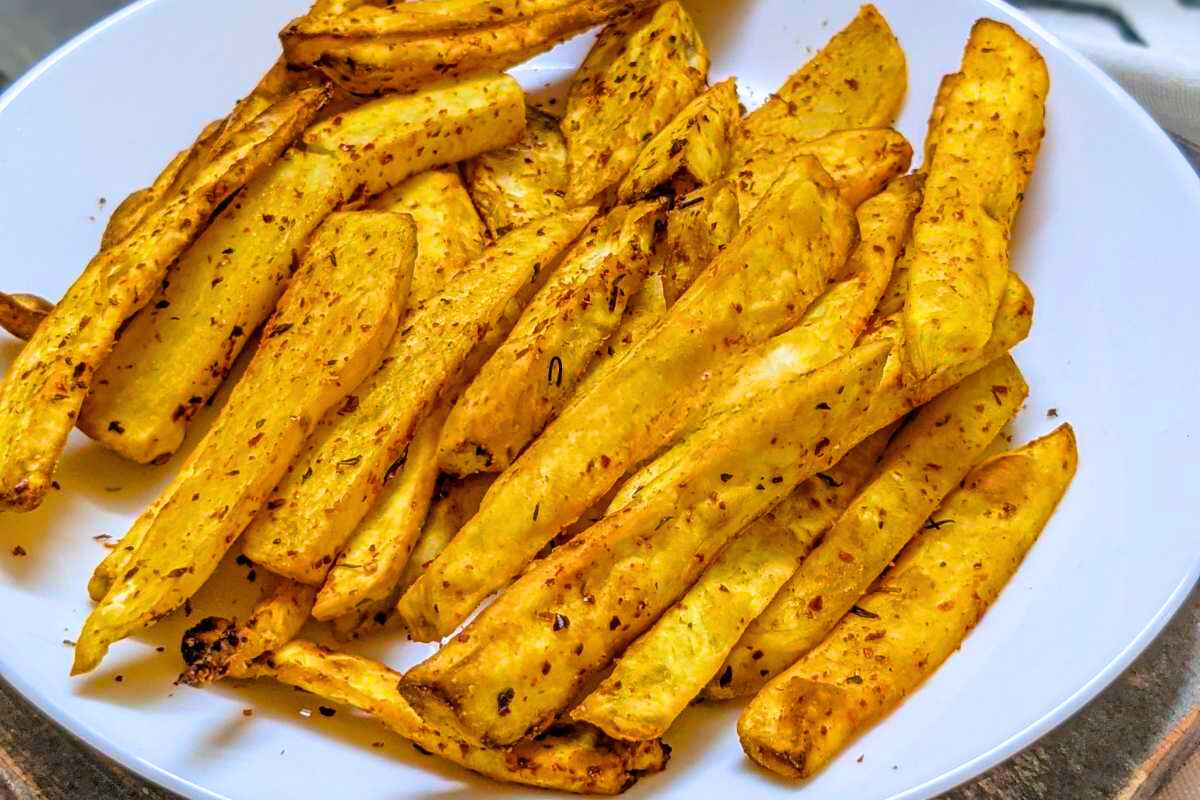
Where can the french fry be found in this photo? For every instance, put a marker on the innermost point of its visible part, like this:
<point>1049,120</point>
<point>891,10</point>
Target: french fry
<point>761,283</point>
<point>639,74</point>
<point>339,475</point>
<point>829,329</point>
<point>20,314</point>
<point>216,647</point>
<point>172,356</point>
<point>698,227</point>
<point>449,235</point>
<point>922,465</point>
<point>860,162</point>
<point>526,656</point>
<point>402,47</point>
<point>688,645</point>
<point>645,309</point>
<point>858,80</point>
<point>916,618</point>
<point>692,151</point>
<point>533,374</point>
<point>527,180</point>
<point>668,665</point>
<point>987,139</point>
<point>47,382</point>
<point>389,139</point>
<point>573,759</point>
<point>456,501</point>
<point>330,330</point>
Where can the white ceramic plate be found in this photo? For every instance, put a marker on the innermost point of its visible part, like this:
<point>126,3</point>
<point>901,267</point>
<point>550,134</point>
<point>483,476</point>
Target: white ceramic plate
<point>1108,239</point>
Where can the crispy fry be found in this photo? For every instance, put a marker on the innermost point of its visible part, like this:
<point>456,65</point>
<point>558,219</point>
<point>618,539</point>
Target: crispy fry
<point>330,330</point>
<point>449,235</point>
<point>174,355</point>
<point>216,647</point>
<point>987,139</point>
<point>573,758</point>
<point>390,139</point>
<point>340,473</point>
<point>924,463</point>
<point>661,672</point>
<point>859,161</point>
<point>697,228</point>
<point>405,46</point>
<point>938,590</point>
<point>647,306</point>
<point>525,181</point>
<point>456,501</point>
<point>46,384</point>
<point>858,80</point>
<point>639,74</point>
<point>533,374</point>
<point>581,606</point>
<point>20,314</point>
<point>692,151</point>
<point>761,283</point>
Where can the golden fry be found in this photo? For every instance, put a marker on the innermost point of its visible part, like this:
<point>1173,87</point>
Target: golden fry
<point>692,151</point>
<point>664,670</point>
<point>698,227</point>
<point>583,604</point>
<point>46,384</point>
<point>340,473</point>
<point>527,180</point>
<point>574,759</point>
<point>759,284</point>
<point>858,80</point>
<point>533,374</point>
<point>174,355</point>
<point>922,465</point>
<point>917,617</point>
<point>215,647</point>
<point>402,47</point>
<point>639,74</point>
<point>987,137</point>
<point>330,330</point>
<point>20,314</point>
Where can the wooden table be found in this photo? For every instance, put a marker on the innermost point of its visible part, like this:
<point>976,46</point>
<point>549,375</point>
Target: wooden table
<point>1118,748</point>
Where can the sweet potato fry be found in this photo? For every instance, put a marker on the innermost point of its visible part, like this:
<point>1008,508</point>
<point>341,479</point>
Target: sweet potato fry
<point>761,283</point>
<point>692,151</point>
<point>340,473</point>
<point>525,657</point>
<point>987,139</point>
<point>216,647</point>
<point>697,228</point>
<point>449,235</point>
<point>330,330</point>
<point>402,47</point>
<point>46,384</point>
<point>174,355</point>
<point>858,80</point>
<point>925,462</point>
<point>525,181</point>
<point>533,374</point>
<point>572,758</point>
<point>20,314</point>
<point>916,618</point>
<point>668,665</point>
<point>640,73</point>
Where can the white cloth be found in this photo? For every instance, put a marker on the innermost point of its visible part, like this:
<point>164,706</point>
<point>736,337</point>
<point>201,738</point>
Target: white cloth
<point>1162,71</point>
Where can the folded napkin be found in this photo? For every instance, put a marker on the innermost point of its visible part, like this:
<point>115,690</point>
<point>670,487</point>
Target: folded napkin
<point>1151,47</point>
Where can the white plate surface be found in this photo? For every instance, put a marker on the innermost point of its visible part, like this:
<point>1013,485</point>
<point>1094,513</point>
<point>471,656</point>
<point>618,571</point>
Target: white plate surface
<point>1109,240</point>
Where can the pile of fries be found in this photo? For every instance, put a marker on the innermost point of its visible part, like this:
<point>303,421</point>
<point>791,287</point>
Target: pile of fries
<point>709,400</point>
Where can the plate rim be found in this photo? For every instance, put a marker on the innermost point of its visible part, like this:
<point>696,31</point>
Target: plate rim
<point>970,769</point>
